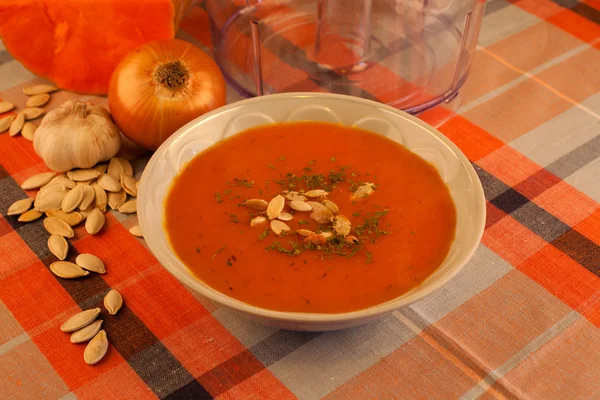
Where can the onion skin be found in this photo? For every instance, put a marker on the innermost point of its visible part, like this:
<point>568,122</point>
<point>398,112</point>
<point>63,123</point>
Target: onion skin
<point>162,86</point>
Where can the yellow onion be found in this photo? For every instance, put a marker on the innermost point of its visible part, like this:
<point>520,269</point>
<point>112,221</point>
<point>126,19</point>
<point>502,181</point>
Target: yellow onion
<point>160,87</point>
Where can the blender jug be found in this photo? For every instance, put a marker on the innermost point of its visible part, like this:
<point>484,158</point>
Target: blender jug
<point>411,54</point>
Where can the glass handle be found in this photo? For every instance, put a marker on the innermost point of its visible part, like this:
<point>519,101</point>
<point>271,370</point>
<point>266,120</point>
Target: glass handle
<point>258,78</point>
<point>461,52</point>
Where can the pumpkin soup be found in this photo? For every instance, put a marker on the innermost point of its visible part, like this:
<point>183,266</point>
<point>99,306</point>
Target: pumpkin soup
<point>310,217</point>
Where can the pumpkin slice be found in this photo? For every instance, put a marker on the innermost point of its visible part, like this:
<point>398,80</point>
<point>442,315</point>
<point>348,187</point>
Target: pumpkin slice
<point>78,45</point>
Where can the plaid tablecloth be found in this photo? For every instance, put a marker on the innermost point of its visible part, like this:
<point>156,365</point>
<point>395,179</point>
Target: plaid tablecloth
<point>520,321</point>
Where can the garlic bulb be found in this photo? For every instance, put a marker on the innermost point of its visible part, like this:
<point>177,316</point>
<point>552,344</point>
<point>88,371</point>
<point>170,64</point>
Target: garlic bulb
<point>76,135</point>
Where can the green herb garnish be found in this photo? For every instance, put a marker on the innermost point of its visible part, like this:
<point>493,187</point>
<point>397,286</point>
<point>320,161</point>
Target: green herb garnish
<point>218,251</point>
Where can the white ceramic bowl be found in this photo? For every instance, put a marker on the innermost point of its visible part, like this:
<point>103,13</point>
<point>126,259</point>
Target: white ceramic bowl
<point>417,136</point>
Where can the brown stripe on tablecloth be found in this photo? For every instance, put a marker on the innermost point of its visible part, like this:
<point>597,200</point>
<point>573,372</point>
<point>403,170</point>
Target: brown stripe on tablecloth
<point>580,249</point>
<point>576,159</point>
<point>509,201</point>
<point>492,186</point>
<point>146,355</point>
<point>540,221</point>
<point>582,9</point>
<point>250,362</point>
<point>5,57</point>
<point>537,183</point>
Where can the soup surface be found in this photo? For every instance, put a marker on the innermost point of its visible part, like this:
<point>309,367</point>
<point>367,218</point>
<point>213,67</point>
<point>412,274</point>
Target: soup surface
<point>394,227</point>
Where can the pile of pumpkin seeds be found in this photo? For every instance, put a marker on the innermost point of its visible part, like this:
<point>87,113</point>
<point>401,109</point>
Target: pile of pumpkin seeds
<point>85,326</point>
<point>315,201</point>
<point>79,196</point>
<point>39,95</point>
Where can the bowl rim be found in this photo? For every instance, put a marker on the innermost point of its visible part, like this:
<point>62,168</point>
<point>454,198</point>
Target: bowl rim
<point>205,290</point>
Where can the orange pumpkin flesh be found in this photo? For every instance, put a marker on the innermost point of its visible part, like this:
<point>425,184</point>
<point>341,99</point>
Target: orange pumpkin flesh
<point>76,44</point>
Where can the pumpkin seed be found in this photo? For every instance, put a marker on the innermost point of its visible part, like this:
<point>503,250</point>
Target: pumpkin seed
<point>257,220</point>
<point>72,218</point>
<point>28,131</point>
<point>318,239</point>
<point>58,246</point>
<point>115,168</point>
<point>109,183</point>
<point>316,193</point>
<point>341,225</point>
<point>321,214</point>
<point>32,113</point>
<point>95,221</point>
<point>101,168</point>
<point>279,227</point>
<point>295,196</point>
<point>63,180</point>
<point>300,205</point>
<point>6,122</point>
<point>37,181</point>
<point>305,232</point>
<point>72,200</point>
<point>85,213</point>
<point>39,89</point>
<point>116,199</point>
<point>57,226</point>
<point>128,207</point>
<point>332,206</point>
<point>19,206</point>
<point>91,263</point>
<point>126,166</point>
<point>50,188</point>
<point>30,215</point>
<point>17,125</point>
<point>351,239</point>
<point>89,194</point>
<point>85,183</point>
<point>113,301</point>
<point>96,348</point>
<point>67,270</point>
<point>257,204</point>
<point>38,100</point>
<point>285,216</point>
<point>275,206</point>
<point>364,190</point>
<point>129,185</point>
<point>86,333</point>
<point>83,175</point>
<point>49,200</point>
<point>6,106</point>
<point>80,320</point>
<point>100,199</point>
<point>136,230</point>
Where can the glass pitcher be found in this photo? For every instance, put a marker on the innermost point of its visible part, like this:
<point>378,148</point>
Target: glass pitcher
<point>411,54</point>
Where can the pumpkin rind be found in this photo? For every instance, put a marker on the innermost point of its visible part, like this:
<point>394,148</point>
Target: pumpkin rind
<point>77,46</point>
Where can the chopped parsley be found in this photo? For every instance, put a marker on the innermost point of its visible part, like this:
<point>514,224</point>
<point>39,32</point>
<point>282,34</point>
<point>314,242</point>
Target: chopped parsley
<point>218,251</point>
<point>264,234</point>
<point>282,158</point>
<point>243,182</point>
<point>303,222</point>
<point>234,218</point>
<point>332,159</point>
<point>271,166</point>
